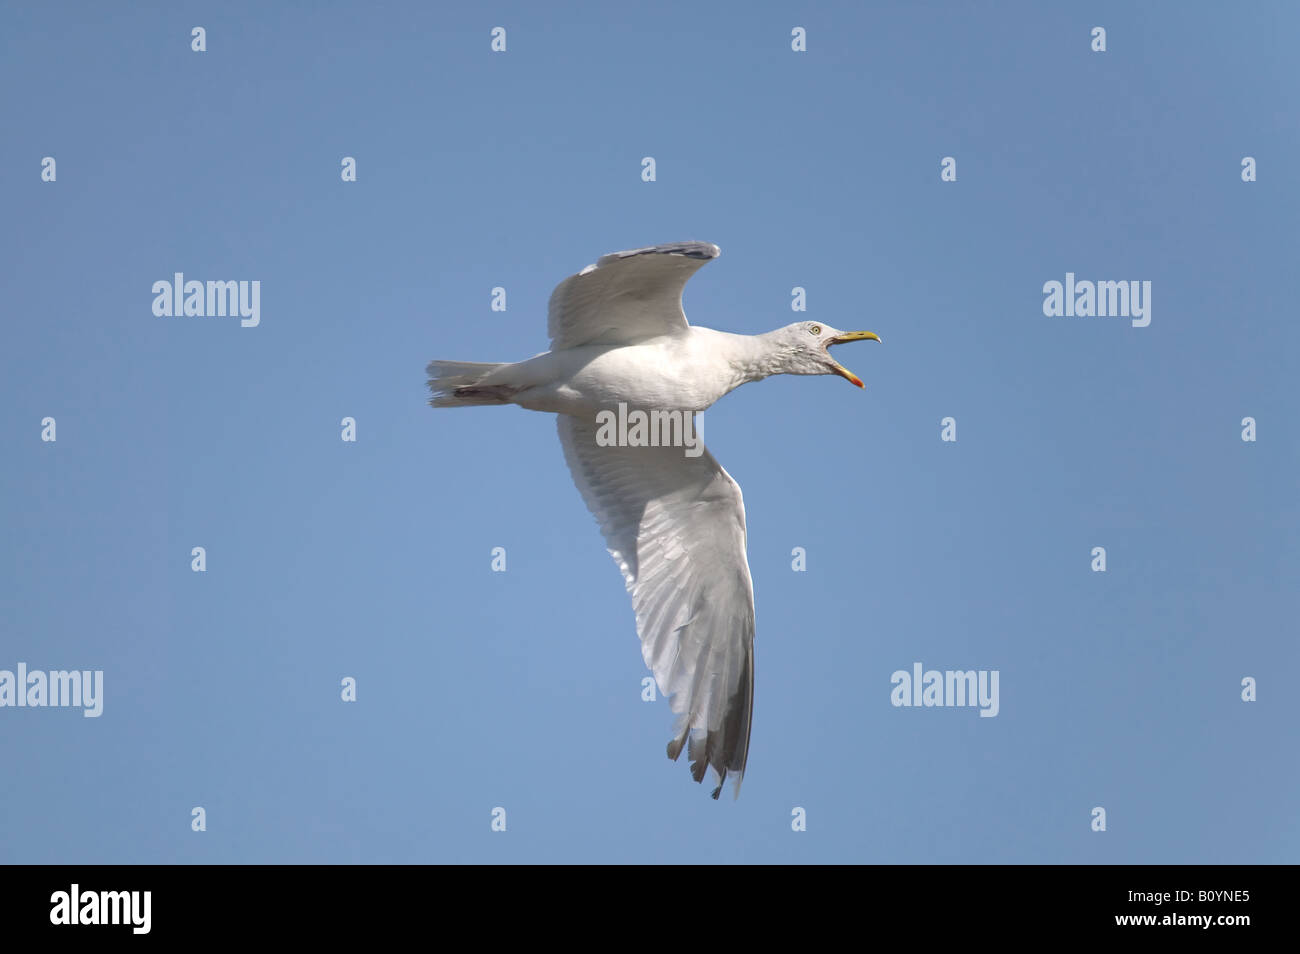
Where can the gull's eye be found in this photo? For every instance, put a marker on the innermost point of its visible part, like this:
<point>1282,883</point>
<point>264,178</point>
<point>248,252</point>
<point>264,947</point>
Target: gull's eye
<point>814,329</point>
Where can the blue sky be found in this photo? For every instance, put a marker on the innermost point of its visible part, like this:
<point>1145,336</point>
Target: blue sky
<point>521,689</point>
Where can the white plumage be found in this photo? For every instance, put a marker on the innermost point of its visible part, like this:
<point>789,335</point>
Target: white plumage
<point>673,519</point>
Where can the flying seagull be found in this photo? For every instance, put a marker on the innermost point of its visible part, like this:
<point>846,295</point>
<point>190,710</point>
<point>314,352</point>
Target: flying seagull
<point>673,519</point>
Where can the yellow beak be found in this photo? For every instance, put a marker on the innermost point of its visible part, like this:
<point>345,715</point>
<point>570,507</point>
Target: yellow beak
<point>840,339</point>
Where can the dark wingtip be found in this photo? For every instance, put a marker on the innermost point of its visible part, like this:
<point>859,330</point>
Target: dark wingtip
<point>675,746</point>
<point>704,251</point>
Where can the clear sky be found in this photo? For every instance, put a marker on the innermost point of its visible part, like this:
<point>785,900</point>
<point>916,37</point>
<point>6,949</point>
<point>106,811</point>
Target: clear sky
<point>521,689</point>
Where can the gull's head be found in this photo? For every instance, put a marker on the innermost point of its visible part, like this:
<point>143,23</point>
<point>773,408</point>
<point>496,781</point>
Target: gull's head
<point>804,348</point>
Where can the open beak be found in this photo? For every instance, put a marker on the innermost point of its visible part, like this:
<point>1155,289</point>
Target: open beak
<point>840,339</point>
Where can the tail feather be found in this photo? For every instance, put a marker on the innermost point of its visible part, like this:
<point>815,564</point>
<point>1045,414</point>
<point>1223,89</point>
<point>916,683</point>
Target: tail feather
<point>461,384</point>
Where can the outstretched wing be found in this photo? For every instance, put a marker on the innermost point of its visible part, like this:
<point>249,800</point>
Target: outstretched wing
<point>675,526</point>
<point>626,296</point>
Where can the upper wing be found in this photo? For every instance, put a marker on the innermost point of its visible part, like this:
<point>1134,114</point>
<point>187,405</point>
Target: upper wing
<point>626,296</point>
<point>675,526</point>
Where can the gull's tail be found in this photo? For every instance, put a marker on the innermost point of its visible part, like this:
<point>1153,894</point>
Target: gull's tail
<point>461,384</point>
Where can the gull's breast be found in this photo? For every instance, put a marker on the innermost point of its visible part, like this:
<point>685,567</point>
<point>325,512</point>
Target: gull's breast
<point>661,373</point>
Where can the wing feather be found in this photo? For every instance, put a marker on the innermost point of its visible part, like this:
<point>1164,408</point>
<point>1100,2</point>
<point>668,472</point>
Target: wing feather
<point>675,526</point>
<point>626,296</point>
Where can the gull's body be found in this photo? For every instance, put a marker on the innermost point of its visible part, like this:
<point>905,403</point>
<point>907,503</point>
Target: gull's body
<point>674,522</point>
<point>671,371</point>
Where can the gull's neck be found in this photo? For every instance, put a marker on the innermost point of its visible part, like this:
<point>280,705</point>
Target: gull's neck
<point>747,357</point>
